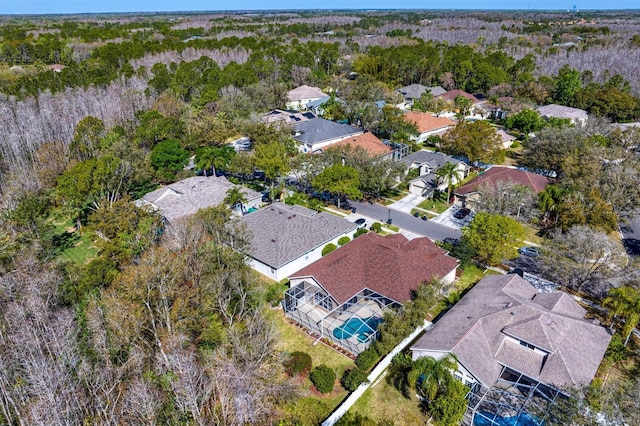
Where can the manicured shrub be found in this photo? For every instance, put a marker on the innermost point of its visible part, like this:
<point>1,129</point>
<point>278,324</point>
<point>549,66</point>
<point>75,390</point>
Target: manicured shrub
<point>328,249</point>
<point>323,378</point>
<point>367,358</point>
<point>298,363</point>
<point>359,232</point>
<point>351,379</point>
<point>344,240</point>
<point>376,227</point>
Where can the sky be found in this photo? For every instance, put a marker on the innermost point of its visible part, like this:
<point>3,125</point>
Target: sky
<point>94,6</point>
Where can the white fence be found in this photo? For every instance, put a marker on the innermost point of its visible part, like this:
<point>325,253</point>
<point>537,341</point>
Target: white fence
<point>375,373</point>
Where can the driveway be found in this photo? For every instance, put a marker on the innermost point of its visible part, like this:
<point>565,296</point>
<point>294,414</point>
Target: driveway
<point>407,203</point>
<point>405,221</point>
<point>446,218</point>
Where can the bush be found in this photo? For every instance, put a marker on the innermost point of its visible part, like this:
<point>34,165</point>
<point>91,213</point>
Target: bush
<point>367,358</point>
<point>274,294</point>
<point>323,378</point>
<point>328,249</point>
<point>376,227</point>
<point>298,363</point>
<point>351,379</point>
<point>344,240</point>
<point>359,232</point>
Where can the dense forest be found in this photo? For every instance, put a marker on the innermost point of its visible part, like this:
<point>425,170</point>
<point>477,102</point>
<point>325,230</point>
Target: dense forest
<point>104,320</point>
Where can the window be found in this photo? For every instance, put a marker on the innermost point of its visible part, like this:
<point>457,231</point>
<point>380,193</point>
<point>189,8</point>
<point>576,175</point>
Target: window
<point>527,345</point>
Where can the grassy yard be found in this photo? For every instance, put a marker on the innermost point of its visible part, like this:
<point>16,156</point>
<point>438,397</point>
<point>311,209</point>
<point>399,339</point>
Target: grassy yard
<point>394,194</point>
<point>383,402</point>
<point>471,275</point>
<point>434,205</point>
<point>310,408</point>
<point>422,213</point>
<point>76,246</point>
<point>531,234</point>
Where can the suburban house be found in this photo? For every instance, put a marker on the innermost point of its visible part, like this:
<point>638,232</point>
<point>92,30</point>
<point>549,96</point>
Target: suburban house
<point>468,194</point>
<point>427,124</point>
<point>318,133</point>
<point>476,104</point>
<point>287,117</point>
<point>286,238</point>
<point>576,115</point>
<point>300,97</point>
<point>415,91</point>
<point>516,348</point>
<point>342,297</point>
<point>506,138</point>
<point>368,142</point>
<point>316,106</point>
<point>428,163</point>
<point>182,199</point>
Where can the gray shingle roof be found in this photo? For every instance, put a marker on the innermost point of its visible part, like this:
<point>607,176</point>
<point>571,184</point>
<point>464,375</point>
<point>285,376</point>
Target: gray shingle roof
<point>485,327</point>
<point>414,91</point>
<point>434,159</point>
<point>305,92</point>
<point>282,233</point>
<point>187,196</point>
<point>559,111</point>
<point>319,130</point>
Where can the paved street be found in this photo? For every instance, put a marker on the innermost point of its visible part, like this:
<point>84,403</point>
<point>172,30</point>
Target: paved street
<point>405,221</point>
<point>631,236</point>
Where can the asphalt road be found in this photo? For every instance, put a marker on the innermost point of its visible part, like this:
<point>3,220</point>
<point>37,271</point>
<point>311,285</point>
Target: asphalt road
<point>631,235</point>
<point>405,221</point>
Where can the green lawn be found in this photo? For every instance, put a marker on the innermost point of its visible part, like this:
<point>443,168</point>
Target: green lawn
<point>434,205</point>
<point>531,234</point>
<point>383,402</point>
<point>421,213</point>
<point>309,408</point>
<point>394,194</point>
<point>82,251</point>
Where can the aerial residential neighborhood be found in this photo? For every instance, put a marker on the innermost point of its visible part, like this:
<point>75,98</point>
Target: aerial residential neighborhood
<point>319,217</point>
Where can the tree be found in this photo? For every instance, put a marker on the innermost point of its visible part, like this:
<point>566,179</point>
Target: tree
<point>568,84</point>
<point>168,155</point>
<point>323,377</point>
<point>340,180</point>
<point>463,105</point>
<point>235,197</point>
<point>273,159</point>
<point>582,256</point>
<point>477,140</point>
<point>527,121</point>
<point>508,198</point>
<point>625,301</point>
<point>86,138</point>
<point>450,173</point>
<point>443,395</point>
<point>211,158</point>
<point>495,237</point>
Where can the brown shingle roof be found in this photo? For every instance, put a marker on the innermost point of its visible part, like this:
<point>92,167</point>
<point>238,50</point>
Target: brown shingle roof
<point>427,122</point>
<point>505,174</point>
<point>452,94</point>
<point>305,92</point>
<point>392,266</point>
<point>367,141</point>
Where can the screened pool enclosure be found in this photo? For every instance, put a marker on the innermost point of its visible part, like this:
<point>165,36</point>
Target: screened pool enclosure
<point>352,325</point>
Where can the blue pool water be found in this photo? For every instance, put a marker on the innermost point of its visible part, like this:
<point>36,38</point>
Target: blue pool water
<point>353,326</point>
<point>523,419</point>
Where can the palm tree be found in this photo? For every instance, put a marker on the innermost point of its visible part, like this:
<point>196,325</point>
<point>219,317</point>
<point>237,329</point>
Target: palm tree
<point>625,302</point>
<point>235,196</point>
<point>449,172</point>
<point>430,376</point>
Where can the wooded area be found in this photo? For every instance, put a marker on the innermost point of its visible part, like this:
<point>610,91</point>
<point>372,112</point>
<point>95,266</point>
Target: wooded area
<point>103,320</point>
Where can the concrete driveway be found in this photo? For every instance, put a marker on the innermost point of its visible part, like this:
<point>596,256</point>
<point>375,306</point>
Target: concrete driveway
<point>407,203</point>
<point>446,218</point>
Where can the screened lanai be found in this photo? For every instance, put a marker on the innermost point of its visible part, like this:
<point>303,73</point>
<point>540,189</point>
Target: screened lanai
<point>513,399</point>
<point>352,325</point>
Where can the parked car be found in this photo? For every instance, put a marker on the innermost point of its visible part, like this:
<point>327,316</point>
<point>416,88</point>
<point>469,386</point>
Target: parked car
<point>462,213</point>
<point>452,241</point>
<point>361,222</point>
<point>529,251</point>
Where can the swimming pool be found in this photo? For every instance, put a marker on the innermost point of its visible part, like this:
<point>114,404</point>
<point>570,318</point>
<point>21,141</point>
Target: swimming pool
<point>488,419</point>
<point>353,326</point>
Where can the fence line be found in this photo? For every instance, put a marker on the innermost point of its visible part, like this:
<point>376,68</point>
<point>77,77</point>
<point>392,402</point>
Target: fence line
<point>342,409</point>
